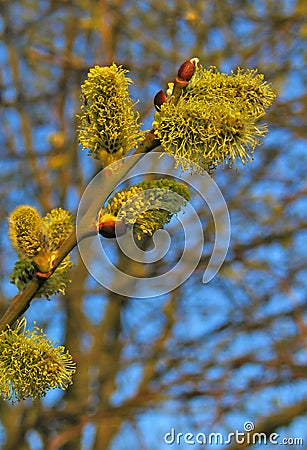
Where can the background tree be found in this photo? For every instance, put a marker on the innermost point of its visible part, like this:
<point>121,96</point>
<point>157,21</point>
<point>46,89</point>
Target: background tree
<point>199,360</point>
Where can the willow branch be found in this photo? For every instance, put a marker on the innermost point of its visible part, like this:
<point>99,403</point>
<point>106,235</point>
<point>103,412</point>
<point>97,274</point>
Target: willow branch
<point>22,301</point>
<point>149,143</point>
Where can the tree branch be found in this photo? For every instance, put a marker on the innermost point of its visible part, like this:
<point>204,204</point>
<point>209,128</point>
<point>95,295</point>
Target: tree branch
<point>22,301</point>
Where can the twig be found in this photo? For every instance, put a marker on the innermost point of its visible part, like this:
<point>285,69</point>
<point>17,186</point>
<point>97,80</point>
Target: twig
<point>22,301</point>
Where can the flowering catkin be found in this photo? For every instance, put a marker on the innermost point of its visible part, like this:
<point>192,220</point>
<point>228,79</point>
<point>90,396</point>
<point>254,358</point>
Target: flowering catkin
<point>30,364</point>
<point>216,119</point>
<point>37,240</point>
<point>109,126</point>
<point>147,206</point>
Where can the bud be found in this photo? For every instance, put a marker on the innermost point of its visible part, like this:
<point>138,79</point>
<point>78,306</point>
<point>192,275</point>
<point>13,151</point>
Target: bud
<point>44,262</point>
<point>170,89</point>
<point>110,227</point>
<point>186,70</point>
<point>159,99</point>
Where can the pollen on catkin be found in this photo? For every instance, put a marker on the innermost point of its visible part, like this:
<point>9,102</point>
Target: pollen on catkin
<point>147,206</point>
<point>30,364</point>
<point>26,231</point>
<point>59,224</point>
<point>216,120</point>
<point>109,125</point>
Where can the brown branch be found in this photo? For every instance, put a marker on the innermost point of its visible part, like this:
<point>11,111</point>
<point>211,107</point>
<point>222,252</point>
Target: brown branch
<point>22,301</point>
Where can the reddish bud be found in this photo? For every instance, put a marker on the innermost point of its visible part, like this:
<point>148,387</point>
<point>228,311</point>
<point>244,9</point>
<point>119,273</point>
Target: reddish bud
<point>179,82</point>
<point>159,99</point>
<point>112,228</point>
<point>186,70</point>
<point>43,275</point>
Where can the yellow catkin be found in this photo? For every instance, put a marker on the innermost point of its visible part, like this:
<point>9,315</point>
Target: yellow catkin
<point>30,364</point>
<point>216,120</point>
<point>109,125</point>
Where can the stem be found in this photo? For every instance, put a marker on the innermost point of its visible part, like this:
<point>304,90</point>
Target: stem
<point>150,143</point>
<point>22,301</point>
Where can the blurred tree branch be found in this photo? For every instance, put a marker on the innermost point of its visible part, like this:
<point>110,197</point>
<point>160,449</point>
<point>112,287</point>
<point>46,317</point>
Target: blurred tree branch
<point>205,352</point>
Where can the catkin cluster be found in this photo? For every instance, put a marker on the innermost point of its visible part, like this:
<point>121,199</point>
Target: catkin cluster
<point>37,240</point>
<point>217,118</point>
